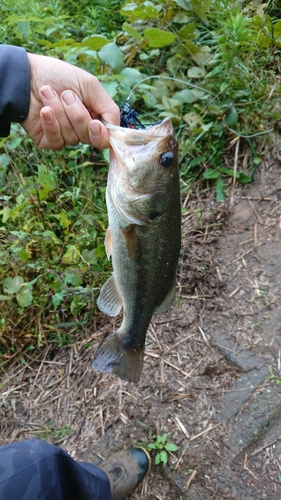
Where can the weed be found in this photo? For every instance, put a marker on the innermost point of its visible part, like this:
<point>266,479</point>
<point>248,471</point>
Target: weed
<point>276,379</point>
<point>161,447</point>
<point>51,431</point>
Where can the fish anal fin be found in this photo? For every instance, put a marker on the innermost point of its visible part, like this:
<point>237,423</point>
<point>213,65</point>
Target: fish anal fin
<point>167,302</point>
<point>132,241</point>
<point>108,243</point>
<point>109,300</point>
<point>116,358</point>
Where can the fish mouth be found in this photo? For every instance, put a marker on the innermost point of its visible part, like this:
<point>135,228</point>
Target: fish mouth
<point>141,136</point>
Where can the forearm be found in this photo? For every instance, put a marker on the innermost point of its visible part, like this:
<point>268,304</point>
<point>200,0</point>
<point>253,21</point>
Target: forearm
<point>14,87</point>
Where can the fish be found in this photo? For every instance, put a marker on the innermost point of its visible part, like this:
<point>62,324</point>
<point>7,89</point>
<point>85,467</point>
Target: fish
<point>143,238</point>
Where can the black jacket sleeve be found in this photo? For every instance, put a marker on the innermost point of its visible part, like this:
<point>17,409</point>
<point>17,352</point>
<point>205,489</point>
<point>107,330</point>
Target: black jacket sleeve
<point>14,87</point>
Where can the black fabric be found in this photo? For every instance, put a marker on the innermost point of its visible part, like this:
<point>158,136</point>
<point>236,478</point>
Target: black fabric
<point>14,87</point>
<point>36,470</point>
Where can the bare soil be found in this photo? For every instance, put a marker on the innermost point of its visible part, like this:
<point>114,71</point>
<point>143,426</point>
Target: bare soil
<point>212,366</point>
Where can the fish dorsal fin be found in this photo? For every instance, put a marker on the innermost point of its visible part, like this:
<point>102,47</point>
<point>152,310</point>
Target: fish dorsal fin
<point>109,300</point>
<point>167,302</point>
<point>108,243</point>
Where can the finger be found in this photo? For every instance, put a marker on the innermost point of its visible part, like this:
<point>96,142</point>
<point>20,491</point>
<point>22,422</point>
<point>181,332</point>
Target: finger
<point>51,138</point>
<point>50,98</point>
<point>98,134</point>
<point>77,114</point>
<point>98,100</point>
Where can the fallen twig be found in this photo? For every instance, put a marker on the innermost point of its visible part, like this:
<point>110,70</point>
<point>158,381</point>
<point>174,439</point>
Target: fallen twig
<point>265,446</point>
<point>191,479</point>
<point>204,432</point>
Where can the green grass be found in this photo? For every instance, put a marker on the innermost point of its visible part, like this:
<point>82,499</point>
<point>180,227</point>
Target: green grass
<point>52,204</point>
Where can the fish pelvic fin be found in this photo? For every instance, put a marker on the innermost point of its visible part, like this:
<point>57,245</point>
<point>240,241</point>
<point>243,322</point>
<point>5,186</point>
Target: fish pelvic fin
<point>116,358</point>
<point>109,300</point>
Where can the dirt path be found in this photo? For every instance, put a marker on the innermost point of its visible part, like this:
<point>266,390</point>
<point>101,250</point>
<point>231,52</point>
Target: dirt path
<point>212,367</point>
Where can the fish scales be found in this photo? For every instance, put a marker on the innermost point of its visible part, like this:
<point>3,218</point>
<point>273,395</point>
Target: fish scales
<point>143,239</point>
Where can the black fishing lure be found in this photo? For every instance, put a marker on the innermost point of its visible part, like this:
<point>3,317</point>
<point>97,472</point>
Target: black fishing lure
<point>128,117</point>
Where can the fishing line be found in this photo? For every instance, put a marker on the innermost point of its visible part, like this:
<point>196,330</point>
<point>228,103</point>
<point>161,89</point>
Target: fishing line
<point>198,88</point>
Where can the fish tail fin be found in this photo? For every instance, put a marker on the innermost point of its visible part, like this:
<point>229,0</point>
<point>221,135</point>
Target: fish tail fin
<point>116,358</point>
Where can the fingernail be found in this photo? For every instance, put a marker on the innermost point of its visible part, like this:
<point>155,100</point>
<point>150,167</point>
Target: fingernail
<point>48,115</point>
<point>95,129</point>
<point>69,97</point>
<point>48,93</point>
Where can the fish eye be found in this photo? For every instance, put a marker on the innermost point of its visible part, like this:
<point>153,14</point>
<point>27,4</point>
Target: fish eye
<point>166,159</point>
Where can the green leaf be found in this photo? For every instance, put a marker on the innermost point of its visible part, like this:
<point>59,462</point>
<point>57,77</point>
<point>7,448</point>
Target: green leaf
<point>162,438</point>
<point>187,32</point>
<point>74,279</point>
<point>6,211</point>
<point>188,95</point>
<point>158,38</point>
<point>231,117</point>
<point>227,171</point>
<point>95,42</point>
<point>72,255</point>
<point>211,174</point>
<point>132,32</point>
<point>5,297</point>
<point>277,29</point>
<point>171,447</point>
<point>24,28</point>
<point>15,142</point>
<point>51,236</point>
<point>181,18</point>
<point>184,4</point>
<point>89,256</point>
<point>220,190</point>
<point>12,285</point>
<point>244,178</point>
<point>46,178</point>
<point>24,297</point>
<point>193,119</point>
<point>157,459</point>
<point>164,457</point>
<point>132,76</point>
<point>57,299</point>
<point>4,160</point>
<point>24,254</point>
<point>152,446</point>
<point>195,161</point>
<point>196,72</point>
<point>200,7</point>
<point>63,219</point>
<point>112,55</point>
<point>145,11</point>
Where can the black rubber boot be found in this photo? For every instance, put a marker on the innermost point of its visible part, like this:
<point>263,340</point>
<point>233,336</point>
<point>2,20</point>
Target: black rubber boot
<point>126,469</point>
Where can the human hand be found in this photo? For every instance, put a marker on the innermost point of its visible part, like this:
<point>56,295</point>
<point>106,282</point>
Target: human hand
<point>65,102</point>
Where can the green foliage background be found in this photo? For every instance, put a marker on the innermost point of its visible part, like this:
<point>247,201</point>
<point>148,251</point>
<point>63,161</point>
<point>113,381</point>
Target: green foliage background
<point>52,207</point>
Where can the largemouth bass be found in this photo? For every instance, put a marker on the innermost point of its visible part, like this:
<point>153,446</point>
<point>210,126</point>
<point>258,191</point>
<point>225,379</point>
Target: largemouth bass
<point>143,238</point>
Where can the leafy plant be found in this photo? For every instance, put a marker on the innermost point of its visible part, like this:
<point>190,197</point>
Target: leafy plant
<point>161,447</point>
<point>276,379</point>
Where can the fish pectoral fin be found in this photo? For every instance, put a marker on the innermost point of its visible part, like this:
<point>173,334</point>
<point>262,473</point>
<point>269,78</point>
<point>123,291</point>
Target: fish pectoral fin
<point>114,357</point>
<point>108,243</point>
<point>132,241</point>
<point>109,300</point>
<point>167,302</point>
